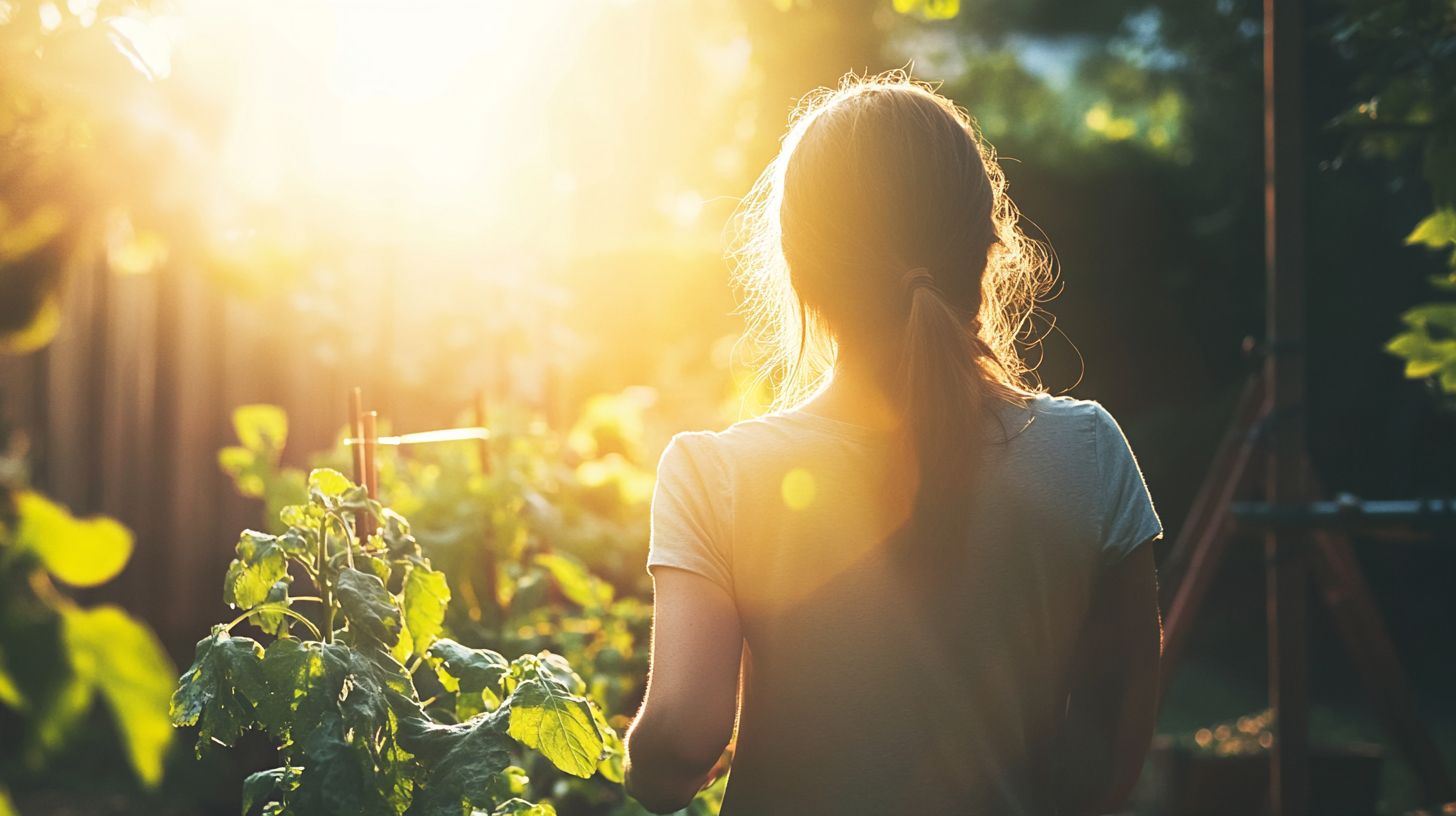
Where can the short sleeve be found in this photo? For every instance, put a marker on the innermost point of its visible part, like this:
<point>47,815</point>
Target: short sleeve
<point>688,506</point>
<point>1127,519</point>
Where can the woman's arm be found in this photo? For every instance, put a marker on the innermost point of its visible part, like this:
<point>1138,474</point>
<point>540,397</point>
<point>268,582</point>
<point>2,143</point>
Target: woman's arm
<point>1112,708</point>
<point>692,691</point>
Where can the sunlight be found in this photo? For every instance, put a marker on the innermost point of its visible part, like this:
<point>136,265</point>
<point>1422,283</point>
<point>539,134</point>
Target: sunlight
<point>422,117</point>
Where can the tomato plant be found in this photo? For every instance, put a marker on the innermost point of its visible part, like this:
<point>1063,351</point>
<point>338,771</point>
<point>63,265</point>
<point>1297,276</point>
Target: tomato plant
<point>559,520</point>
<point>335,689</point>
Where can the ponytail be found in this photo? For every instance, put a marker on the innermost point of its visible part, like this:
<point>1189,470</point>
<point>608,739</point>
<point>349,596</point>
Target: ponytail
<point>943,388</point>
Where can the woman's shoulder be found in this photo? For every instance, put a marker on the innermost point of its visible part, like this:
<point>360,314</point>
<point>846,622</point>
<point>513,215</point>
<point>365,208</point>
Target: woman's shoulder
<point>789,433</point>
<point>1062,429</point>
<point>1044,414</point>
<point>1066,413</point>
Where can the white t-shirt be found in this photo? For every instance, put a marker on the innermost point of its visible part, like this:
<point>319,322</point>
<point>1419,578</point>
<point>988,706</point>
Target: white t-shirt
<point>863,692</point>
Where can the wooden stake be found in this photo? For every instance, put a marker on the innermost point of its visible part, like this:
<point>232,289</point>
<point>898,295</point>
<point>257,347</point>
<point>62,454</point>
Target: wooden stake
<point>356,430</point>
<point>371,450</point>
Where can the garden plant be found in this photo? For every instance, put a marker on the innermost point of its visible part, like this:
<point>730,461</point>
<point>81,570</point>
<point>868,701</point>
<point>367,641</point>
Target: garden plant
<point>336,690</point>
<point>508,546</point>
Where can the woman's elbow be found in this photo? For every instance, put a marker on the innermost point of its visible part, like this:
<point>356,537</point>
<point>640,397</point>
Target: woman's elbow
<point>666,768</point>
<point>658,801</point>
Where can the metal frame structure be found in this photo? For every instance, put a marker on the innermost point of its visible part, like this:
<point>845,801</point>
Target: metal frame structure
<point>1303,539</point>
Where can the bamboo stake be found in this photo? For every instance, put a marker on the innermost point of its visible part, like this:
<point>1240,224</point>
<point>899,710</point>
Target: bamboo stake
<point>356,429</point>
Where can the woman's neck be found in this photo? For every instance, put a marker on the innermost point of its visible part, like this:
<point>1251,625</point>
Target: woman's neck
<point>856,396</point>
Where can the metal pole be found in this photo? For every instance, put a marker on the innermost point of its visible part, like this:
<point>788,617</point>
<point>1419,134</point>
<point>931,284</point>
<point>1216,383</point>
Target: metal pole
<point>1287,570</point>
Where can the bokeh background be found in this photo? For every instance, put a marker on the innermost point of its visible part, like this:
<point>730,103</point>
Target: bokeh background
<point>205,205</point>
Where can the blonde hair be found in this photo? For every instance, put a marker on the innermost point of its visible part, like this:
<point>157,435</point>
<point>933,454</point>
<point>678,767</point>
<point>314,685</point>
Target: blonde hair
<point>794,348</point>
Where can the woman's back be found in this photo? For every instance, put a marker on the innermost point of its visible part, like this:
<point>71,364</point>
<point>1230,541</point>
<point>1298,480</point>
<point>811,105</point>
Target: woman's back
<point>870,687</point>
<point>930,619</point>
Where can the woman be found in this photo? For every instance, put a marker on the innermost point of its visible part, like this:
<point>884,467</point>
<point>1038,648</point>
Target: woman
<point>923,586</point>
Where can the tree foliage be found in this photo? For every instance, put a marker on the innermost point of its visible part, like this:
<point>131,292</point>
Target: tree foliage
<point>1406,53</point>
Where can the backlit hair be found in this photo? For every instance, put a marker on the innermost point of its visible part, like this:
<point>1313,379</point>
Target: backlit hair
<point>884,223</point>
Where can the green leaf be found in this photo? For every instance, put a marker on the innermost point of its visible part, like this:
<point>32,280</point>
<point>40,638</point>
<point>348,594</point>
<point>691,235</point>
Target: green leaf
<point>261,427</point>
<point>1436,230</point>
<point>261,563</point>
<point>426,595</point>
<point>576,583</point>
<point>266,786</point>
<point>243,465</point>
<point>614,753</point>
<point>61,714</point>
<point>302,682</point>
<point>7,807</point>
<point>338,774</point>
<point>124,660</point>
<point>80,552</point>
<point>547,717</point>
<point>219,692</point>
<point>512,783</point>
<point>463,761</point>
<point>397,536</point>
<point>331,707</point>
<point>295,544</point>
<point>370,610</point>
<point>301,518</point>
<point>328,482</point>
<point>466,670</point>
<point>1441,316</point>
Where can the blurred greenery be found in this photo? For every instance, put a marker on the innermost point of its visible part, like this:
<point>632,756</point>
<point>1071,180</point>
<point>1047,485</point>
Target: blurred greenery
<point>56,657</point>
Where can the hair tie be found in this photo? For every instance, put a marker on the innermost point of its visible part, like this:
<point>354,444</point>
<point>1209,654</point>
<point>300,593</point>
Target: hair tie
<point>920,278</point>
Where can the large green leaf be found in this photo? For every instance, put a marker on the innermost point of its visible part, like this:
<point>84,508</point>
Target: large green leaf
<point>463,761</point>
<point>328,482</point>
<point>426,595</point>
<point>329,705</point>
<point>302,681</point>
<point>371,611</point>
<point>549,718</point>
<point>461,668</point>
<point>80,552</point>
<point>338,774</point>
<point>576,583</point>
<point>124,660</point>
<point>219,693</point>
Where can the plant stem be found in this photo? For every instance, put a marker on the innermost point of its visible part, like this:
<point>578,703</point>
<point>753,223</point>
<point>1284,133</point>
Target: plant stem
<point>324,589</point>
<point>279,608</point>
<point>414,664</point>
